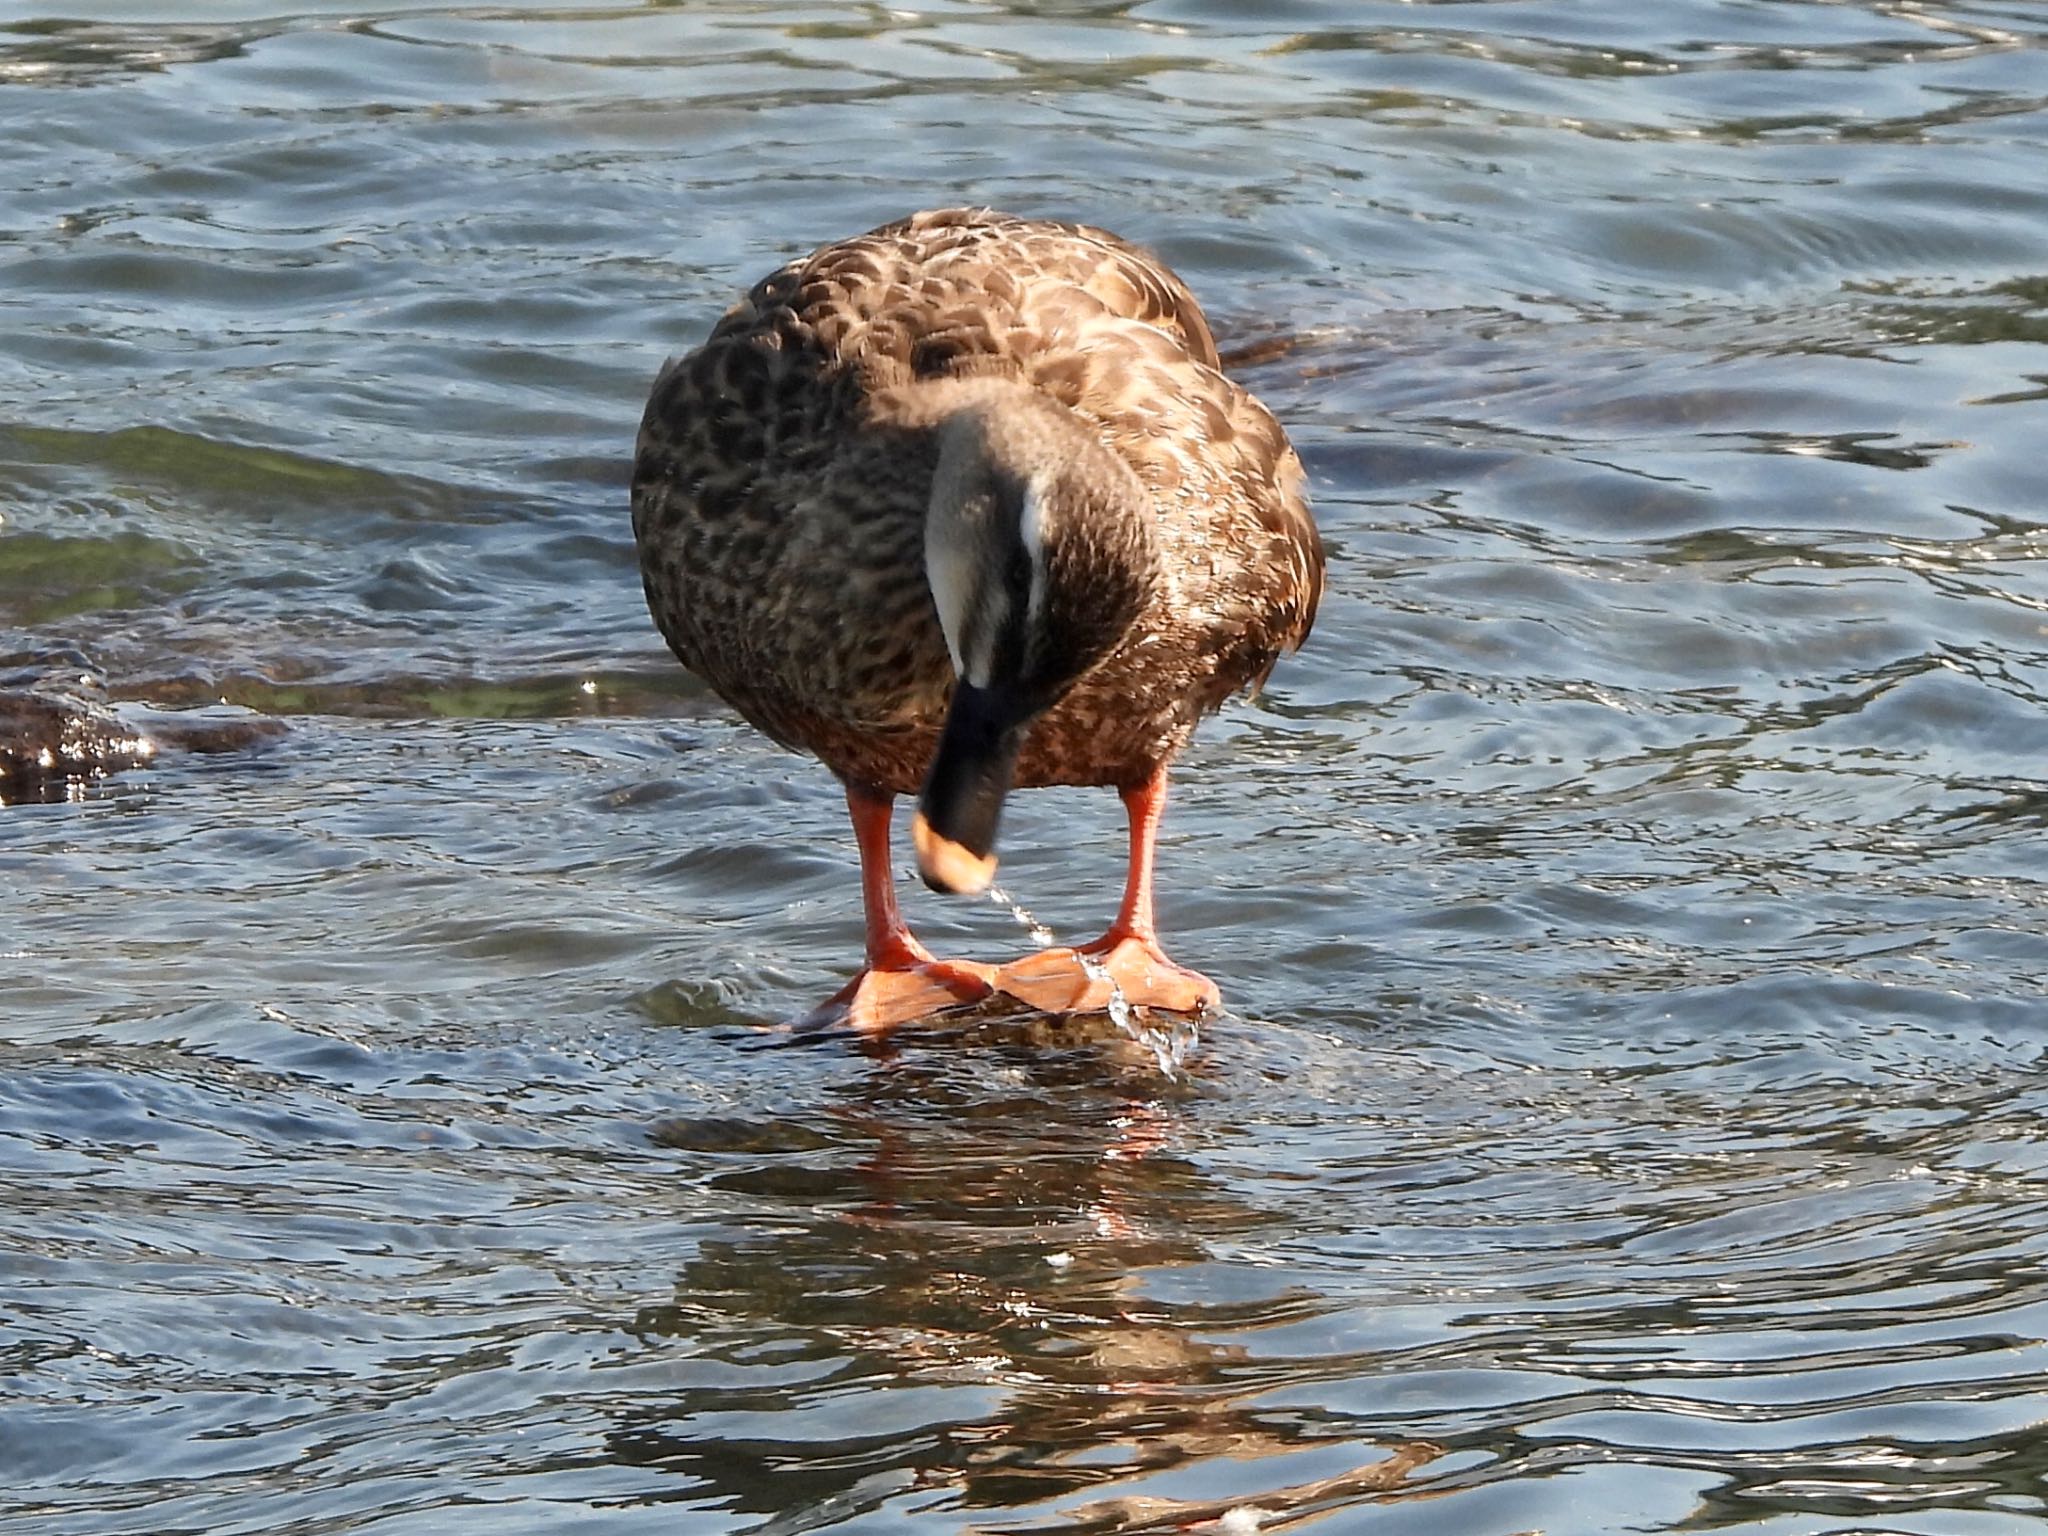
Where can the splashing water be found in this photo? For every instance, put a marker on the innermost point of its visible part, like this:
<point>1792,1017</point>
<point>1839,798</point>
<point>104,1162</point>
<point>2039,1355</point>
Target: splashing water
<point>1040,934</point>
<point>1170,1038</point>
<point>1169,1042</point>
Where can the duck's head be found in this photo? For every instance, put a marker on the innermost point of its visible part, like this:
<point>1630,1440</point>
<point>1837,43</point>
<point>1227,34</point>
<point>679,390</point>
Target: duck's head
<point>1040,554</point>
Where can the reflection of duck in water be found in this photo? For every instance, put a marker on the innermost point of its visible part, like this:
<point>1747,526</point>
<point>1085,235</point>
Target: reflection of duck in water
<point>933,1292</point>
<point>963,504</point>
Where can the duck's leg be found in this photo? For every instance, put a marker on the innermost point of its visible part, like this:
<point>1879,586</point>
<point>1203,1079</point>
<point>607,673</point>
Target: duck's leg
<point>901,981</point>
<point>1128,955</point>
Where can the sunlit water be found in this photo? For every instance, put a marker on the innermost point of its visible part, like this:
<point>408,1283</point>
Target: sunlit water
<point>1629,1113</point>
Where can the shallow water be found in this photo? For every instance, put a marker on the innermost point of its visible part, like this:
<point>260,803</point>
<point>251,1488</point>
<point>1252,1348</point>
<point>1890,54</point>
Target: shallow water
<point>1629,1115</point>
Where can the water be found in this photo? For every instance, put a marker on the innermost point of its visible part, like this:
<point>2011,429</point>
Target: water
<point>1170,1037</point>
<point>1629,1111</point>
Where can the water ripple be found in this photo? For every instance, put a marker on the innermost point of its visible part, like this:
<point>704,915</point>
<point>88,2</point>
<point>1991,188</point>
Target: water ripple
<point>1628,1112</point>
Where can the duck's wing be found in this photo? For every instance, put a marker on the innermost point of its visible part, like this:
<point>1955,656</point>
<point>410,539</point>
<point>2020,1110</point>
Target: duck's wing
<point>1126,279</point>
<point>1213,456</point>
<point>1274,486</point>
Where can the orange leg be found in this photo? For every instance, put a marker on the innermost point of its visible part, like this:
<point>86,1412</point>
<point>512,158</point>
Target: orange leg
<point>901,981</point>
<point>1128,955</point>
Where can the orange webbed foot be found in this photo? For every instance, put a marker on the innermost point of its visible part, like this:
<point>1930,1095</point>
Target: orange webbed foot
<point>1087,978</point>
<point>878,1001</point>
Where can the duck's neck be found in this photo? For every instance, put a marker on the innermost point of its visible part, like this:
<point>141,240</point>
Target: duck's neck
<point>1040,554</point>
<point>924,403</point>
<point>1039,545</point>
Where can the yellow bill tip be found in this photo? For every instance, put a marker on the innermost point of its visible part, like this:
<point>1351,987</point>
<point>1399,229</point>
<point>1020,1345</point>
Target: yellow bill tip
<point>946,865</point>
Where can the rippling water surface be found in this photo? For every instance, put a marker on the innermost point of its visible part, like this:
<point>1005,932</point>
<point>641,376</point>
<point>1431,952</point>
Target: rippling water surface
<point>1629,1116</point>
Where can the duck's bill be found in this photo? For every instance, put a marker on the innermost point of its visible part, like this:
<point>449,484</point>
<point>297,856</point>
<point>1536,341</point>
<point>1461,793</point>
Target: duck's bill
<point>949,866</point>
<point>962,801</point>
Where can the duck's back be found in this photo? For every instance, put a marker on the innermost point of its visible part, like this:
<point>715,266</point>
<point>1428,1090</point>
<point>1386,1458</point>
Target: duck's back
<point>780,489</point>
<point>937,290</point>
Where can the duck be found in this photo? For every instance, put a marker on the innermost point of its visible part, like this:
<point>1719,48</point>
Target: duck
<point>965,505</point>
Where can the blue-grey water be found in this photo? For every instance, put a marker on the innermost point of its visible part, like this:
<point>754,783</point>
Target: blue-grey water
<point>1632,907</point>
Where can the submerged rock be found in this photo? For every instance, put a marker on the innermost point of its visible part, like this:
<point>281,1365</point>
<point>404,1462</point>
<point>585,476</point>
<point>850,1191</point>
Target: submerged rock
<point>53,743</point>
<point>59,735</point>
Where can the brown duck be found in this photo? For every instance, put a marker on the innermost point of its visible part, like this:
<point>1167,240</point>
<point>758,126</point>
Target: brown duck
<point>965,504</point>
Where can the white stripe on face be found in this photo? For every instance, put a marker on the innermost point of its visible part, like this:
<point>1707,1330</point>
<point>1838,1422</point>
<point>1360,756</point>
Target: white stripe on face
<point>965,567</point>
<point>1031,531</point>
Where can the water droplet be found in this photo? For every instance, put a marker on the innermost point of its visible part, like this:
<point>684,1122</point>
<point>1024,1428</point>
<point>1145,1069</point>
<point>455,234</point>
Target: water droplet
<point>1040,934</point>
<point>1169,1038</point>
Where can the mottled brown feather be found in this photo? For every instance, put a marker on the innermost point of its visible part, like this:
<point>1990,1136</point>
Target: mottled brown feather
<point>780,490</point>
